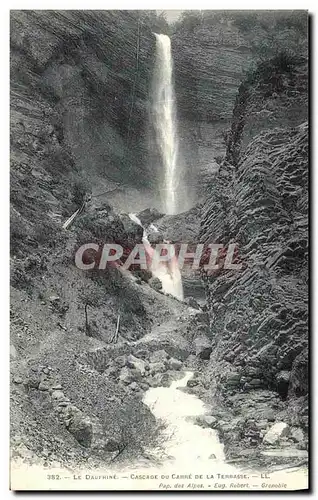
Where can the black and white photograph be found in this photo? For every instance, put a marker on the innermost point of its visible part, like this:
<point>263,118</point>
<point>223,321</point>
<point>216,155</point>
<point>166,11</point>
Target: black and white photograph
<point>159,256</point>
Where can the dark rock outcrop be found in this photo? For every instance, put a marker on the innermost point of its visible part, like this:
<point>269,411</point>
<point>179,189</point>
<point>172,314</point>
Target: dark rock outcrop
<point>258,314</point>
<point>79,108</point>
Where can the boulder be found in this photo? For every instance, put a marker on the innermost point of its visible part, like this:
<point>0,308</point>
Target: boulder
<point>158,367</point>
<point>136,363</point>
<point>158,356</point>
<point>192,382</point>
<point>18,380</point>
<point>276,432</point>
<point>233,379</point>
<point>134,386</point>
<point>127,375</point>
<point>171,341</point>
<point>297,435</point>
<point>282,382</point>
<point>174,364</point>
<point>149,215</point>
<point>58,395</point>
<point>203,347</point>
<point>44,385</point>
<point>155,283</point>
<point>207,421</point>
<point>81,428</point>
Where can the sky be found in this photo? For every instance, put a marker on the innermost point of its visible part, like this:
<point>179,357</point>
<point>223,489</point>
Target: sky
<point>171,15</point>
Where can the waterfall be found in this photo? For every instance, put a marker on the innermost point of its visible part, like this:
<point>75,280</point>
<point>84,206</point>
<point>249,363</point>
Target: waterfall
<point>169,276</point>
<point>165,125</point>
<point>183,440</point>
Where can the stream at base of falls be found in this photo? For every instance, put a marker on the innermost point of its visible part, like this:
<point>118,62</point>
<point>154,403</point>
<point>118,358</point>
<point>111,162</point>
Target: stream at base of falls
<point>182,438</point>
<point>188,456</point>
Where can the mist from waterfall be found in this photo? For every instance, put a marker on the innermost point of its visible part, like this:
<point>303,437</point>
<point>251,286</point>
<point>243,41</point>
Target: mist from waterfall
<point>170,277</point>
<point>165,126</point>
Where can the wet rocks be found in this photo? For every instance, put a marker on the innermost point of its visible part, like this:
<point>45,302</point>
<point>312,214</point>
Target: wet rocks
<point>158,367</point>
<point>276,432</point>
<point>207,421</point>
<point>148,216</point>
<point>193,382</point>
<point>174,364</point>
<point>161,379</point>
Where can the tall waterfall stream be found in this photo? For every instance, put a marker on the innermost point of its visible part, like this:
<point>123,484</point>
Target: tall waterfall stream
<point>165,125</point>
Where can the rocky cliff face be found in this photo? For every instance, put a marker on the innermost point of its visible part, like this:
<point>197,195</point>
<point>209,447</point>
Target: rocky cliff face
<point>258,315</point>
<point>209,65</point>
<point>213,52</point>
<point>80,83</point>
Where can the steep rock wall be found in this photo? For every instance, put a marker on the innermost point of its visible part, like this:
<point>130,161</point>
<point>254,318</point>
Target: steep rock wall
<point>258,315</point>
<point>209,65</point>
<point>79,100</point>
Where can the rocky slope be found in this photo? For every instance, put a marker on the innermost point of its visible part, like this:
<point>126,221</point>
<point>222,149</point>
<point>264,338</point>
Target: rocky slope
<point>259,200</point>
<point>78,112</point>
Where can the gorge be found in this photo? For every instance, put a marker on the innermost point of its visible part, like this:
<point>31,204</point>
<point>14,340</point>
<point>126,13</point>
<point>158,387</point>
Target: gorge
<point>193,133</point>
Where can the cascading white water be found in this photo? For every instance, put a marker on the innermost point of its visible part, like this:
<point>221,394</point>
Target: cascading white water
<point>165,124</point>
<point>184,441</point>
<point>189,448</point>
<point>170,277</point>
